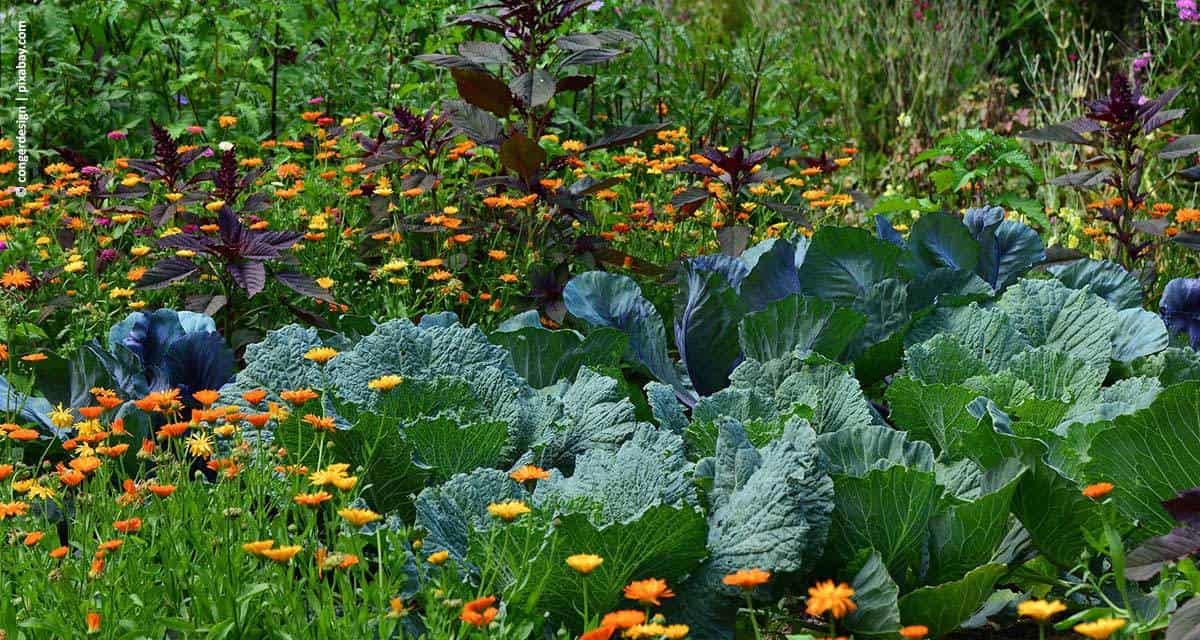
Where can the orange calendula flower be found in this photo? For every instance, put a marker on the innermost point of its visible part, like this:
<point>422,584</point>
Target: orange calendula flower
<point>6,470</point>
<point>528,473</point>
<point>33,538</point>
<point>747,578</point>
<point>58,553</point>
<point>623,619</point>
<point>648,591</point>
<point>282,554</point>
<point>1098,490</point>
<point>132,525</point>
<point>1040,610</point>
<point>299,396</point>
<point>206,397</point>
<point>828,597</point>
<point>161,490</point>
<point>258,546</point>
<point>600,633</point>
<point>34,357</point>
<point>439,557</point>
<point>93,622</point>
<point>385,383</point>
<point>312,500</point>
<point>479,612</point>
<point>16,278</point>
<point>320,423</point>
<point>914,631</point>
<point>23,435</point>
<point>255,396</point>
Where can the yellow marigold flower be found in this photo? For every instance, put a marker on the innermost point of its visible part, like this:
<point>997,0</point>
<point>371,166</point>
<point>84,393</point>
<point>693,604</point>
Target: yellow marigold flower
<point>201,445</point>
<point>584,563</point>
<point>508,510</point>
<point>572,146</point>
<point>1100,629</point>
<point>61,417</point>
<point>326,283</point>
<point>395,608</point>
<point>226,121</point>
<point>675,631</point>
<point>215,205</point>
<point>139,251</point>
<point>321,355</point>
<point>1040,610</point>
<point>651,630</point>
<point>439,557</point>
<point>826,596</point>
<point>385,383</point>
<point>359,517</point>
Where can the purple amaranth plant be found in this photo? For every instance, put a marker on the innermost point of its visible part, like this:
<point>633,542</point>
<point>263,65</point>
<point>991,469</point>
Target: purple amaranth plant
<point>1118,126</point>
<point>241,258</point>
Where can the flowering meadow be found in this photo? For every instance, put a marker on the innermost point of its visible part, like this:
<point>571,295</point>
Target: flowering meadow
<point>588,320</point>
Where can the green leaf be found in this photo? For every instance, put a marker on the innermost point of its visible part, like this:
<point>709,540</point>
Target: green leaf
<point>827,388</point>
<point>888,510</point>
<point>448,447</point>
<point>943,607</point>
<point>935,413</point>
<point>1055,375</point>
<point>942,360</point>
<point>876,595</point>
<point>449,513</point>
<point>1049,313</point>
<point>940,240</point>
<point>843,263</point>
<point>856,451</point>
<point>543,356</point>
<point>1139,333</point>
<point>1151,456</point>
<point>1108,280</point>
<point>665,542</point>
<point>798,322</point>
<point>968,535</point>
<point>988,333</point>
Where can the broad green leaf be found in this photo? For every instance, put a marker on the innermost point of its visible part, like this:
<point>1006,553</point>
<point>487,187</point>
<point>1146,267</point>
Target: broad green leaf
<point>543,356</point>
<point>942,360</point>
<point>967,535</point>
<point>798,322</point>
<point>1108,280</point>
<point>876,595</point>
<point>843,263</point>
<point>448,447</point>
<point>941,240</point>
<point>1049,313</point>
<point>943,607</point>
<point>888,510</point>
<point>936,414</point>
<point>1056,375</point>
<point>1150,456</point>
<point>855,451</point>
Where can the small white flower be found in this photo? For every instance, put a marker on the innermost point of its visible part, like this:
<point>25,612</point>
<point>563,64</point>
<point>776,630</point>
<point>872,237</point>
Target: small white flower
<point>225,145</point>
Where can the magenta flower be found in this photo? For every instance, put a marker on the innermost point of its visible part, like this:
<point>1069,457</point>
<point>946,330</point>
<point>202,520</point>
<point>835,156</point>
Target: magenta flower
<point>316,100</point>
<point>117,135</point>
<point>195,129</point>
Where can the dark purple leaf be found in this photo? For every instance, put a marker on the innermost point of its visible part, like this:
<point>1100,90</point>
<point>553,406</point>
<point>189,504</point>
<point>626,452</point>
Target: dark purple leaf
<point>448,61</point>
<point>483,90</point>
<point>534,88</point>
<point>625,135</point>
<point>690,199</point>
<point>1180,311</point>
<point>521,155</point>
<point>304,285</point>
<point>166,271</point>
<point>590,56</point>
<point>1146,560</point>
<point>249,275</point>
<point>1185,622</point>
<point>480,126</point>
<point>1181,147</point>
<point>485,52</point>
<point>1083,179</point>
<point>573,83</point>
<point>1068,132</point>
<point>588,185</point>
<point>1163,118</point>
<point>1185,507</point>
<point>1192,174</point>
<point>733,240</point>
<point>186,241</point>
<point>483,21</point>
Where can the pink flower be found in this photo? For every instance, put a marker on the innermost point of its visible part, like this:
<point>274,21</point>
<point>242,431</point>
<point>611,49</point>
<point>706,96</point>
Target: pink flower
<point>117,135</point>
<point>195,129</point>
